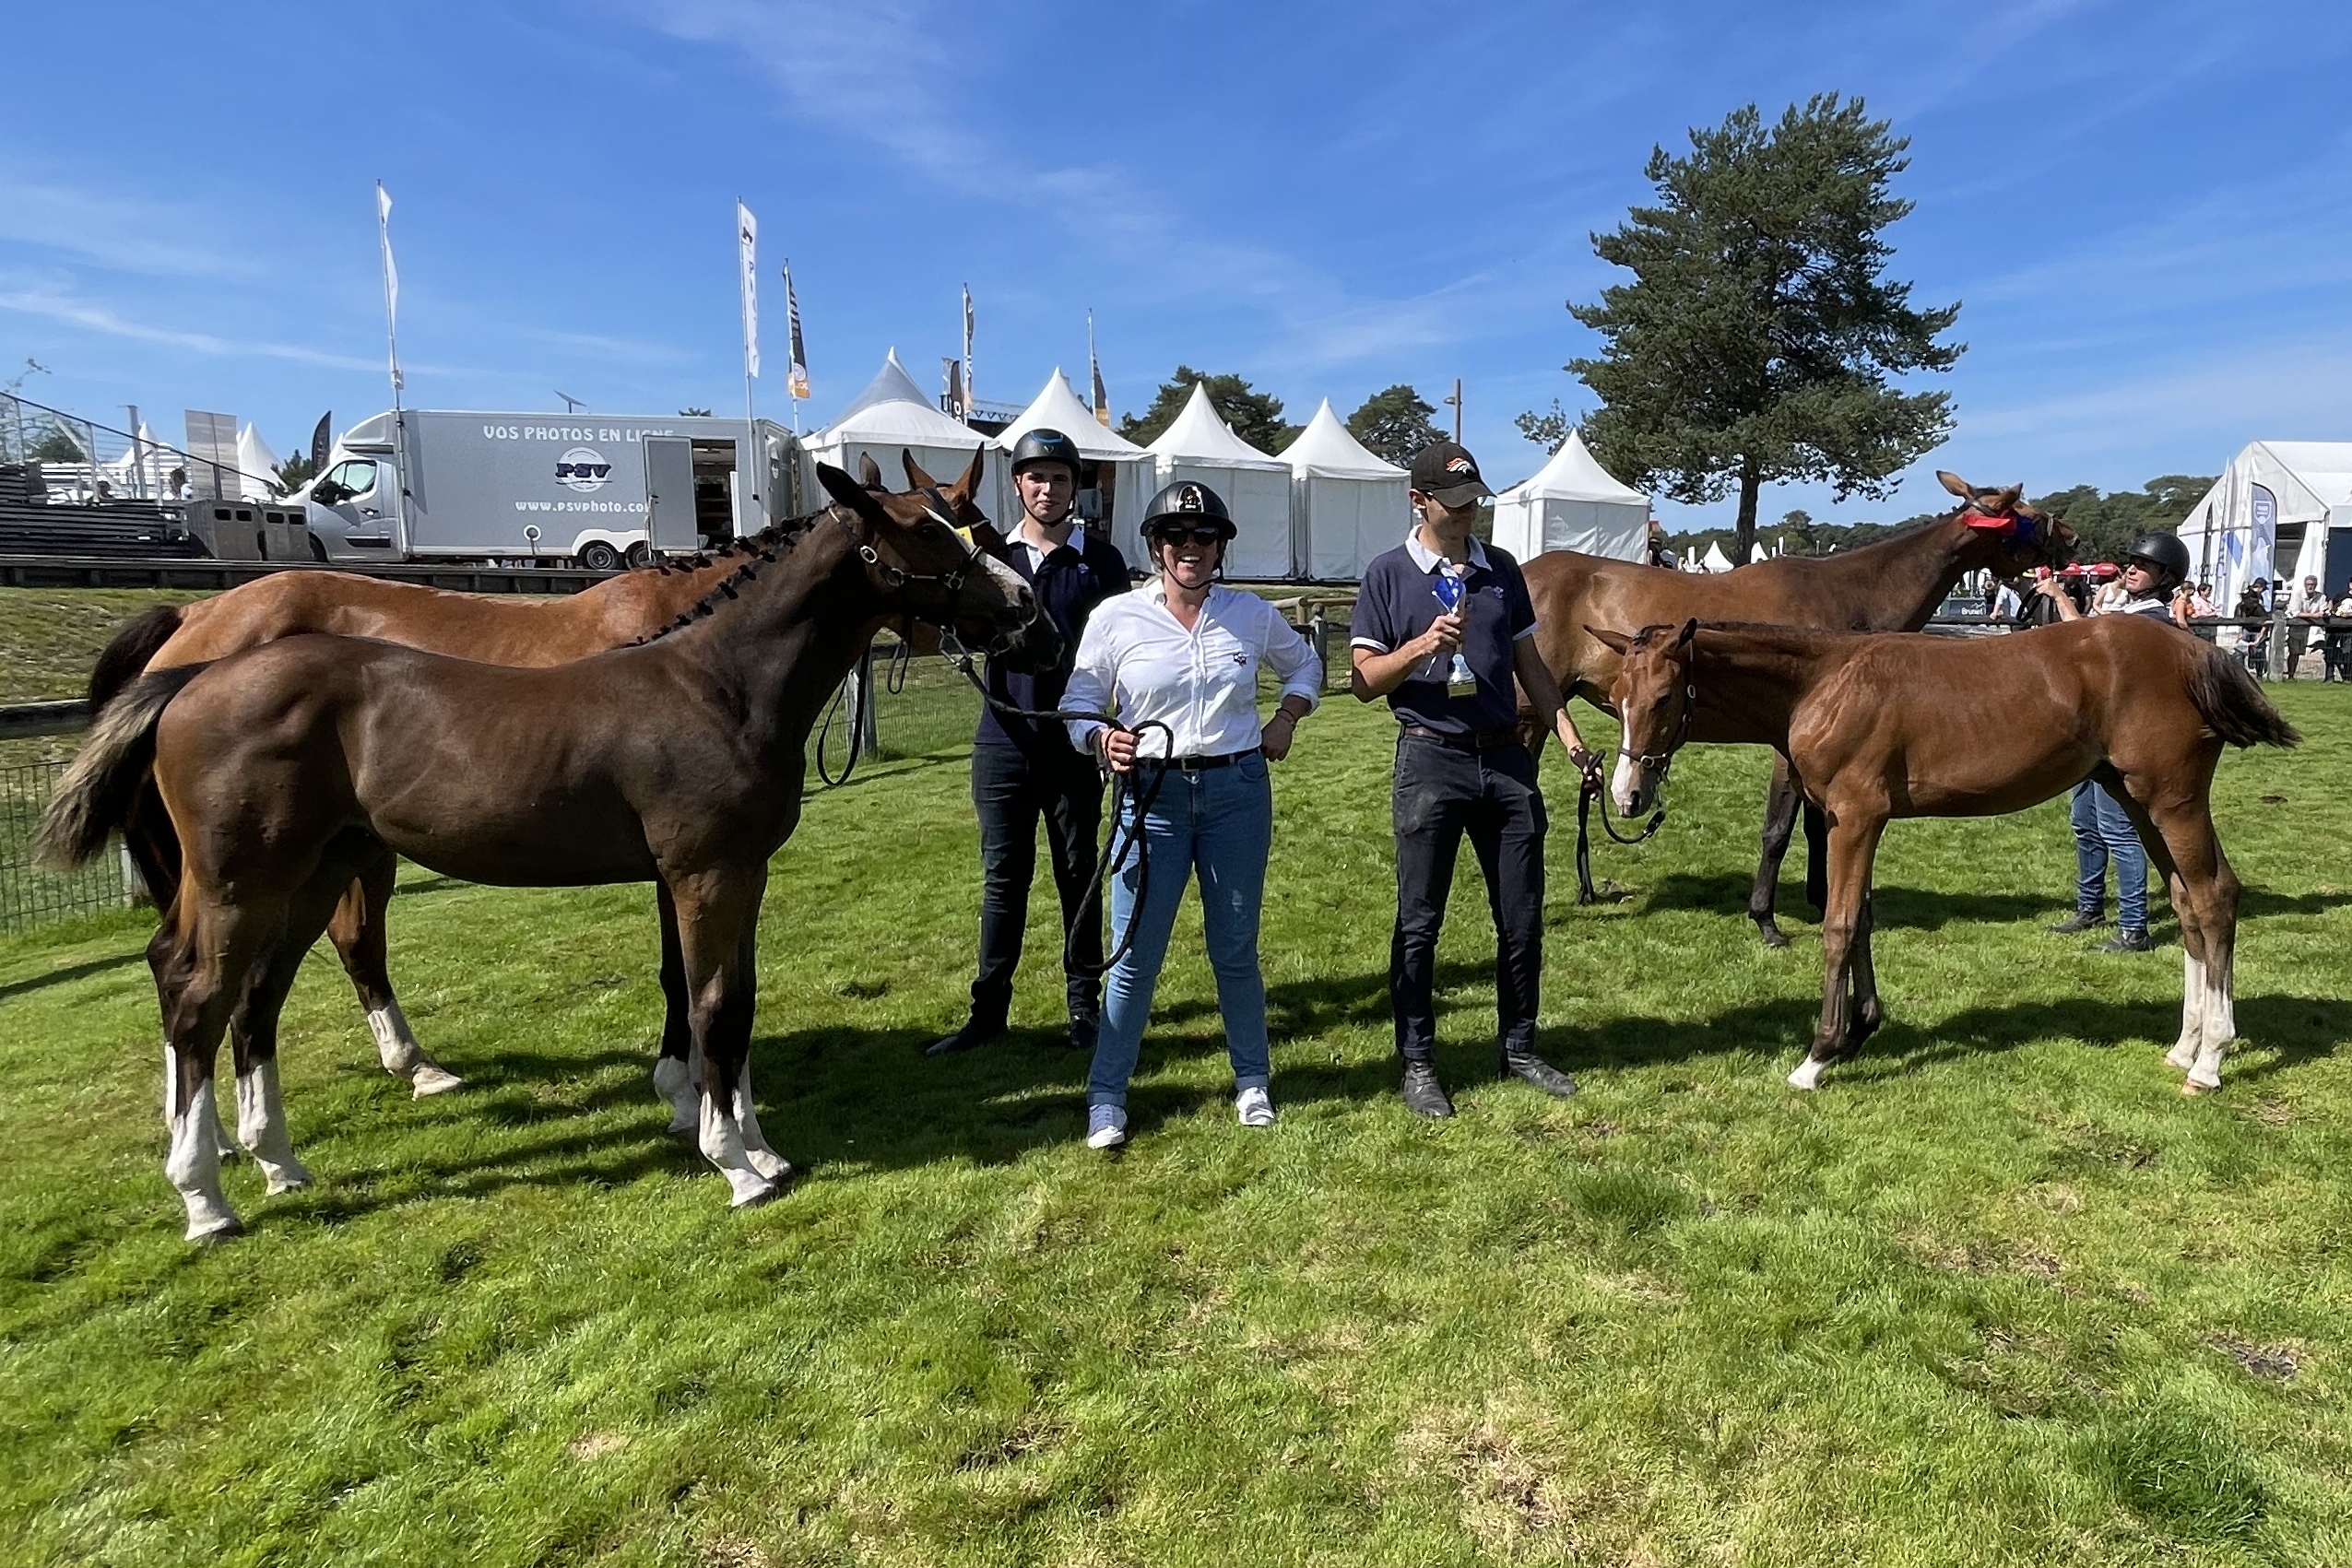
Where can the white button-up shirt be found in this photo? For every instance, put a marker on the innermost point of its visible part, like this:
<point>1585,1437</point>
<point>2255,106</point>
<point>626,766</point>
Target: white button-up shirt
<point>1137,661</point>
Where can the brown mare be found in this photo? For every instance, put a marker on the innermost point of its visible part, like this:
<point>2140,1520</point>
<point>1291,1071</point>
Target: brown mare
<point>288,768</point>
<point>1893,584</point>
<point>1888,725</point>
<point>489,629</point>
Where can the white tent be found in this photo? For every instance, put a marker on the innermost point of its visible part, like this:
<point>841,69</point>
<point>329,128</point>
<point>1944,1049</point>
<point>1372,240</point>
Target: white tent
<point>1757,552</point>
<point>1201,448</point>
<point>1573,503</point>
<point>1347,503</point>
<point>1715,560</point>
<point>144,466</point>
<point>2278,501</point>
<point>1123,475</point>
<point>888,418</point>
<point>256,468</point>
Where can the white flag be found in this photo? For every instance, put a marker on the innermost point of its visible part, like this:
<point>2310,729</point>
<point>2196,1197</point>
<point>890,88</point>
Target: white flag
<point>391,282</point>
<point>747,242</point>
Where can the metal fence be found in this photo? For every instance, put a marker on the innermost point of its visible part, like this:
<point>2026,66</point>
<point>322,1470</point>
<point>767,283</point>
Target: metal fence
<point>31,896</point>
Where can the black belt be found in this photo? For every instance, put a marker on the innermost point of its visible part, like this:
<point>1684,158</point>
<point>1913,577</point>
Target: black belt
<point>1197,764</point>
<point>1477,740</point>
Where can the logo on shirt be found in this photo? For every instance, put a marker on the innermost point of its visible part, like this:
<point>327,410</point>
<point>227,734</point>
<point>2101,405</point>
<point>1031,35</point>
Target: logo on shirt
<point>1241,658</point>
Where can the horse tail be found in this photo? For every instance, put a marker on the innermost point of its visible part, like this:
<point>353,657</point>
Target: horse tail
<point>140,638</point>
<point>109,771</point>
<point>2233,706</point>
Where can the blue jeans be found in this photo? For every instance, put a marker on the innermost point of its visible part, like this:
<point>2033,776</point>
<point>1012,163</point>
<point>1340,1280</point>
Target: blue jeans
<point>1219,824</point>
<point>2103,829</point>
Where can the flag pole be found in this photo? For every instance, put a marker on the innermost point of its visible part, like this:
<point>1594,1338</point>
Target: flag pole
<point>391,351</point>
<point>747,244</point>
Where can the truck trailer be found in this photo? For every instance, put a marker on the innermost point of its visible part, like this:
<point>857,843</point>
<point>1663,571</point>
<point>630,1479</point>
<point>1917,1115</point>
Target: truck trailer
<point>597,491</point>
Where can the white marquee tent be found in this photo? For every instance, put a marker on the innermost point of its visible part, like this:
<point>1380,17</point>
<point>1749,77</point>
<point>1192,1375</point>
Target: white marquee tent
<point>1203,448</point>
<point>1123,471</point>
<point>1347,503</point>
<point>892,417</point>
<point>2281,509</point>
<point>1715,560</point>
<point>256,468</point>
<point>1573,503</point>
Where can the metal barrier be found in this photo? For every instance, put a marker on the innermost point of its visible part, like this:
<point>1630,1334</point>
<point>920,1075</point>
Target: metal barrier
<point>31,896</point>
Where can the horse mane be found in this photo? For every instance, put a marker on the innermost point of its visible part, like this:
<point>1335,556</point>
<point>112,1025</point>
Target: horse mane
<point>762,547</point>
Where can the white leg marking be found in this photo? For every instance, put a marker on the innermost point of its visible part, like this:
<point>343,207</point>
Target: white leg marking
<point>756,1148</point>
<point>1808,1073</point>
<point>675,1084</point>
<point>194,1168</point>
<point>2221,1028</point>
<point>396,1045</point>
<point>2183,1053</point>
<point>261,1127</point>
<point>722,1141</point>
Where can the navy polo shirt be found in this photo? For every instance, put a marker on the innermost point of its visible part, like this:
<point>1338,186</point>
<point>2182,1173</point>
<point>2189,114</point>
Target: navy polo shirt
<point>1397,602</point>
<point>1069,582</point>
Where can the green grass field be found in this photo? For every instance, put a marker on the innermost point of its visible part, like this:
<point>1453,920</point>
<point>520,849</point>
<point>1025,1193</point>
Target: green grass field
<point>1997,1295</point>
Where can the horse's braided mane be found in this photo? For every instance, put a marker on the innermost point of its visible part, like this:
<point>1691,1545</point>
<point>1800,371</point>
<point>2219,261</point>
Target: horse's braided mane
<point>761,548</point>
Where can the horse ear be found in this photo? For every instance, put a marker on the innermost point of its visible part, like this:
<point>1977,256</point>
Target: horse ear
<point>969,485</point>
<point>869,473</point>
<point>2005,502</point>
<point>851,494</point>
<point>1956,485</point>
<point>915,478</point>
<point>1690,630</point>
<point>1615,641</point>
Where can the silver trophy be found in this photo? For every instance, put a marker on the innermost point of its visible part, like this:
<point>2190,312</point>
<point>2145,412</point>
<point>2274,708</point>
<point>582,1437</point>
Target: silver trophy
<point>1448,590</point>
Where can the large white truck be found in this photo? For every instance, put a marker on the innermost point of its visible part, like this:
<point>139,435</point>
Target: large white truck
<point>596,491</point>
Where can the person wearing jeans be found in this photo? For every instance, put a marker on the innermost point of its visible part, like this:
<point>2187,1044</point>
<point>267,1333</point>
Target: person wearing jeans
<point>1179,663</point>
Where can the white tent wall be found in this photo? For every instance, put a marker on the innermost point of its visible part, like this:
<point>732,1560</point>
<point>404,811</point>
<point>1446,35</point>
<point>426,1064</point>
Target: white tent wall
<point>2300,492</point>
<point>1201,448</point>
<point>890,418</point>
<point>1123,471</point>
<point>1347,503</point>
<point>1573,503</point>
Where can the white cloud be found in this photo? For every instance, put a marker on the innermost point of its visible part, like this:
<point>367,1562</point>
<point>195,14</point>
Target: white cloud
<point>51,305</point>
<point>120,231</point>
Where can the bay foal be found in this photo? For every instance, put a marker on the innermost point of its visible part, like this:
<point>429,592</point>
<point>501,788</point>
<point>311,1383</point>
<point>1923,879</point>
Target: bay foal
<point>1905,726</point>
<point>677,760</point>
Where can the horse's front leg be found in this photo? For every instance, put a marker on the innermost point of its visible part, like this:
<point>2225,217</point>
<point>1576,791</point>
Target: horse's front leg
<point>1853,843</point>
<point>717,911</point>
<point>357,931</point>
<point>678,1069</point>
<point>1780,805</point>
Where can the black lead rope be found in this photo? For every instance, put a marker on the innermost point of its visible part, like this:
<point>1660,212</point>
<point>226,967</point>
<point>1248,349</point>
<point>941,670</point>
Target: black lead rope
<point>1132,796</point>
<point>861,723</point>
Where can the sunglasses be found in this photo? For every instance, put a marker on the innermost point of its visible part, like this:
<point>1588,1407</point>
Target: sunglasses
<point>1178,536</point>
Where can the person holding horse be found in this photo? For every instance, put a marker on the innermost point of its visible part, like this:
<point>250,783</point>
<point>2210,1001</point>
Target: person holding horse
<point>1443,624</point>
<point>2156,564</point>
<point>1179,663</point>
<point>1023,768</point>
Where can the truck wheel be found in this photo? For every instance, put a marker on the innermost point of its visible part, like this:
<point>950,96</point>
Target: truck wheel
<point>640,554</point>
<point>598,556</point>
<point>318,549</point>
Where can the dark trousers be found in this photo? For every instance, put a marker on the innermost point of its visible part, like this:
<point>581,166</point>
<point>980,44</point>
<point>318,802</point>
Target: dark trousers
<point>1441,794</point>
<point>1010,790</point>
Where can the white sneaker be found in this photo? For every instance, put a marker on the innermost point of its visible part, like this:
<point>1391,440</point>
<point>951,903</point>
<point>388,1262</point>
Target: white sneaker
<point>1254,1108</point>
<point>1106,1126</point>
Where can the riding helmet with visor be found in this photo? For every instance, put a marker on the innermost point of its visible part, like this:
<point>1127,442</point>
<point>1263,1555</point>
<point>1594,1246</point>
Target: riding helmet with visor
<point>1043,446</point>
<point>2163,551</point>
<point>1188,505</point>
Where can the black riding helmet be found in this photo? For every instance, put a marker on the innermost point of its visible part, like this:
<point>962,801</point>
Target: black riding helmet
<point>1190,503</point>
<point>1043,446</point>
<point>2164,551</point>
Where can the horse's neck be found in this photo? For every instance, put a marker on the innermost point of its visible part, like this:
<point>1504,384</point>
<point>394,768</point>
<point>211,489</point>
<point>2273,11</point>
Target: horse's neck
<point>1907,575</point>
<point>1752,683</point>
<point>790,634</point>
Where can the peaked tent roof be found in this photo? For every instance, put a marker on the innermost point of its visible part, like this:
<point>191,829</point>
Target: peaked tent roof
<point>2324,467</point>
<point>1057,408</point>
<point>1324,448</point>
<point>1199,432</point>
<point>890,385</point>
<point>1715,560</point>
<point>1574,473</point>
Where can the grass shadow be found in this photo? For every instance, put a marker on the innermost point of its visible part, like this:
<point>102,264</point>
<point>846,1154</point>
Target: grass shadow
<point>1907,908</point>
<point>72,973</point>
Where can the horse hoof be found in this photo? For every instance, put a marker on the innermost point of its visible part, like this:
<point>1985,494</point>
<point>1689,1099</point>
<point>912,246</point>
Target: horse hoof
<point>219,1231</point>
<point>291,1184</point>
<point>2179,1060</point>
<point>750,1196</point>
<point>775,1168</point>
<point>1774,939</point>
<point>1808,1073</point>
<point>430,1080</point>
<point>2194,1089</point>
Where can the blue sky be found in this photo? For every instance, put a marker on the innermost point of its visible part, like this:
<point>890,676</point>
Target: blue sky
<point>2145,208</point>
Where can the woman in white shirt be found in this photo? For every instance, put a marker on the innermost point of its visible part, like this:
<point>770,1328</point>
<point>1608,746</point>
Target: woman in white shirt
<point>1184,652</point>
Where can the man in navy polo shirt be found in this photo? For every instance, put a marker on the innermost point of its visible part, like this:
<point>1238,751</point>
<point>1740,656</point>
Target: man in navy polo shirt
<point>1025,769</point>
<point>1461,766</point>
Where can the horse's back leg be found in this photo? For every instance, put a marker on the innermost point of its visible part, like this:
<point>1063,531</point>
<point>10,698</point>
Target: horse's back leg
<point>1780,805</point>
<point>1816,858</point>
<point>716,910</point>
<point>202,957</point>
<point>676,1077</point>
<point>2175,825</point>
<point>261,1110</point>
<point>1853,843</point>
<point>1867,1013</point>
<point>357,929</point>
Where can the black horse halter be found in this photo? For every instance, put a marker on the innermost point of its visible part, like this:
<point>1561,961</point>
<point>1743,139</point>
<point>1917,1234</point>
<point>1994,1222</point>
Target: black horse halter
<point>1664,761</point>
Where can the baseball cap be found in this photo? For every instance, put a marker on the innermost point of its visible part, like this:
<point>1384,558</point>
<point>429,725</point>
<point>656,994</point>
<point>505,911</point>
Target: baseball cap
<point>1446,472</point>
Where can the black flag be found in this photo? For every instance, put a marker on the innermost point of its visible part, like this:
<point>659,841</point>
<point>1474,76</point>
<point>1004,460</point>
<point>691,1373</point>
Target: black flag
<point>319,442</point>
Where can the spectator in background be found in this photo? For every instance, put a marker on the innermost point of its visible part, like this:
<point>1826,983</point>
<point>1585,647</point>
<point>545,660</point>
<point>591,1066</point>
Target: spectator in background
<point>2311,606</point>
<point>2253,645</point>
<point>2339,640</point>
<point>2200,595</point>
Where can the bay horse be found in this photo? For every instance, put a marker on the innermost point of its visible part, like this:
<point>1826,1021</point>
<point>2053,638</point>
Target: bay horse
<point>677,760</point>
<point>1890,584</point>
<point>496,628</point>
<point>1895,724</point>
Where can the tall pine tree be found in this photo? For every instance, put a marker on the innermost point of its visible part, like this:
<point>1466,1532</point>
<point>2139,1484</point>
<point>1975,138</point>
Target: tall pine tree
<point>1757,338</point>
